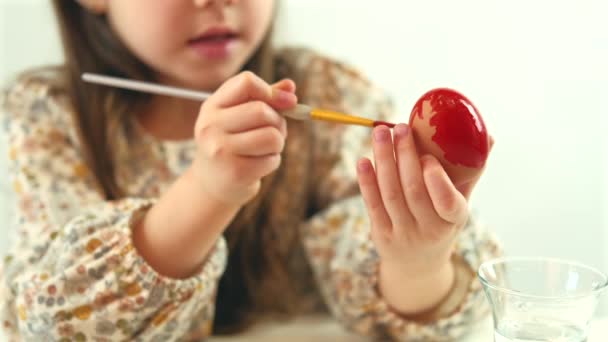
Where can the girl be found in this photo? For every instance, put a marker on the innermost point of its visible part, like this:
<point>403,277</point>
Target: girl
<point>152,218</point>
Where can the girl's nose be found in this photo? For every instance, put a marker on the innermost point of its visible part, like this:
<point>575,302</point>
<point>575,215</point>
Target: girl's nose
<point>203,3</point>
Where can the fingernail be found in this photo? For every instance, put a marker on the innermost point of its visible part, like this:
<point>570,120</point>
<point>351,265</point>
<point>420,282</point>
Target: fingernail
<point>401,130</point>
<point>363,166</point>
<point>382,134</point>
<point>284,96</point>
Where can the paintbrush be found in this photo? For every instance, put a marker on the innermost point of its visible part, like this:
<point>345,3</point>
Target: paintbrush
<point>300,112</point>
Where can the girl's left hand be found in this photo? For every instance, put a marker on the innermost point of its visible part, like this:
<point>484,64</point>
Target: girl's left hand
<point>415,210</point>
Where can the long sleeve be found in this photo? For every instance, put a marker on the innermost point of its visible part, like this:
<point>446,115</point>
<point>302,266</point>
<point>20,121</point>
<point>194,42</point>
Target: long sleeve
<point>337,238</point>
<point>74,273</point>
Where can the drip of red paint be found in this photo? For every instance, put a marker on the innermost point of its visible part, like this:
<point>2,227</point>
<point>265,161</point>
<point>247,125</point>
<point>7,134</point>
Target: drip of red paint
<point>384,123</point>
<point>460,130</point>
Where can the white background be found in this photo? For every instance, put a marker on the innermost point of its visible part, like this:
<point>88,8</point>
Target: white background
<point>538,71</point>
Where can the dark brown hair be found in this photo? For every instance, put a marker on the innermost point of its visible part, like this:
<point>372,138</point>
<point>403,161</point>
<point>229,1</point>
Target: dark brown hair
<point>254,272</point>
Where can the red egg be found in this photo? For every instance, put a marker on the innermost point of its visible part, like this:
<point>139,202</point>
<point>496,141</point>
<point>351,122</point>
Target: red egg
<point>448,126</point>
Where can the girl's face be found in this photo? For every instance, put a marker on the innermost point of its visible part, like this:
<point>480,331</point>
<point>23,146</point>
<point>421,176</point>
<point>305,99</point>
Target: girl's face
<point>192,43</point>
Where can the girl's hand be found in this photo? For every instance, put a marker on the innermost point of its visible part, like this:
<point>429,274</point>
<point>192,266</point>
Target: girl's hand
<point>416,214</point>
<point>240,136</point>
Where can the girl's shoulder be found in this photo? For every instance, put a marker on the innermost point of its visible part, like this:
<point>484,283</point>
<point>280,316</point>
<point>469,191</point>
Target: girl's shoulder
<point>328,82</point>
<point>34,94</point>
<point>314,69</point>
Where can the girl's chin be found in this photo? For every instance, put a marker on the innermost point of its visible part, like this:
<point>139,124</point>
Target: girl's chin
<point>208,79</point>
<point>201,82</point>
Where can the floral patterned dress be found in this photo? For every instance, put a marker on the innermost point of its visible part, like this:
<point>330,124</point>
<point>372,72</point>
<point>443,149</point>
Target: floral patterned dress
<point>74,275</point>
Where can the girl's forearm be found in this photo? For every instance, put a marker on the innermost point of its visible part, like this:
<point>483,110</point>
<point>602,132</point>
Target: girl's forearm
<point>178,232</point>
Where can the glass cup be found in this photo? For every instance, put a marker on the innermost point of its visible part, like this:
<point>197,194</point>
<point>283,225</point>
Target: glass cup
<point>541,299</point>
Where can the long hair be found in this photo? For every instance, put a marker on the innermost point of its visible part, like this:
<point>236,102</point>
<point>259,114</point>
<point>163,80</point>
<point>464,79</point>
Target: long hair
<point>90,45</point>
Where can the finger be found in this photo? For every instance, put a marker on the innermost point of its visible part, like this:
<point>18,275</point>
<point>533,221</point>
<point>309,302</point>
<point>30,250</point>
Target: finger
<point>285,85</point>
<point>257,167</point>
<point>410,172</point>
<point>449,204</point>
<point>249,116</point>
<point>256,143</point>
<point>388,178</point>
<point>371,196</point>
<point>247,87</point>
<point>288,86</point>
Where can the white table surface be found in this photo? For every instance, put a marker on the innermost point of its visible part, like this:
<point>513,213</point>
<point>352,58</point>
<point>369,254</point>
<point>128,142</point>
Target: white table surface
<point>322,329</point>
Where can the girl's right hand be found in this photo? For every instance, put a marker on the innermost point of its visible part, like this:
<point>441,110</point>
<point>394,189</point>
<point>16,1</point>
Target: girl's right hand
<point>240,136</point>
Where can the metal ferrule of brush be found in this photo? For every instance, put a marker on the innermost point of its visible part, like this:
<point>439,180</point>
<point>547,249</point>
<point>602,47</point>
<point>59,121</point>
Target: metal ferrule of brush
<point>299,112</point>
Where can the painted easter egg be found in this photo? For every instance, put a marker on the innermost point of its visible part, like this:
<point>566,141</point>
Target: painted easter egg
<point>448,126</point>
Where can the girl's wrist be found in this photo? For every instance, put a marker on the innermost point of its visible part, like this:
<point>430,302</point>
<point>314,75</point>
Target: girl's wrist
<point>412,294</point>
<point>199,182</point>
<point>424,268</point>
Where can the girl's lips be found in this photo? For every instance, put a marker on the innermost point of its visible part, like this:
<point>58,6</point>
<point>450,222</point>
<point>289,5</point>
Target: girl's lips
<point>217,48</point>
<point>215,43</point>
